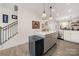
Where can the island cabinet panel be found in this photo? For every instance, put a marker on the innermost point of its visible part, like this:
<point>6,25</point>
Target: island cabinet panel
<point>49,41</point>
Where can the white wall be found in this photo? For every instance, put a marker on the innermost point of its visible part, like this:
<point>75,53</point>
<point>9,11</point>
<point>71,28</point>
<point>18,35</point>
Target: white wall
<point>25,18</point>
<point>7,9</point>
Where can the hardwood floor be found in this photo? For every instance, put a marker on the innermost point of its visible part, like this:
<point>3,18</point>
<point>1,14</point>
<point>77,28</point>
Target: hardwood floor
<point>63,48</point>
<point>20,50</point>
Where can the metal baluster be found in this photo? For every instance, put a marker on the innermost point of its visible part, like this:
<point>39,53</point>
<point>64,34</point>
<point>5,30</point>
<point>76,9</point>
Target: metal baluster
<point>8,32</point>
<point>12,30</point>
<point>16,26</point>
<point>3,35</point>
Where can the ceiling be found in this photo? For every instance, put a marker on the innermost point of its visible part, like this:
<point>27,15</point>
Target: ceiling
<point>62,11</point>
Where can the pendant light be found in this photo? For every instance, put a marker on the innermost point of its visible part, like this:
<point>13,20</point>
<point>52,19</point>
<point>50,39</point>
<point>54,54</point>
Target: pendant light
<point>50,17</point>
<point>15,8</point>
<point>44,13</point>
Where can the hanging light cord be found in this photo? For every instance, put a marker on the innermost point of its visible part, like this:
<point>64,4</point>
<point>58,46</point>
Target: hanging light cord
<point>50,11</point>
<point>44,8</point>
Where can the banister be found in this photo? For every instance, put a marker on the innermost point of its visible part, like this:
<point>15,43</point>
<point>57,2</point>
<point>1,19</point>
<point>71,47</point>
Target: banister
<point>8,32</point>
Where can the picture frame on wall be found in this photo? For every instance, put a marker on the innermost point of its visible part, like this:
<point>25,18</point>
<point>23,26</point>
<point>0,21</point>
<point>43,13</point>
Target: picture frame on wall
<point>14,17</point>
<point>5,18</point>
<point>35,25</point>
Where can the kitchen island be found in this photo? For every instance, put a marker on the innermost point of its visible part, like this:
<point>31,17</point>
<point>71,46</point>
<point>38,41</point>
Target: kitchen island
<point>50,39</point>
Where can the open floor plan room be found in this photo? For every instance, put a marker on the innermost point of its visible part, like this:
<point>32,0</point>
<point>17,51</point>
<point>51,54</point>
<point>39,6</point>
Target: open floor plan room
<point>39,29</point>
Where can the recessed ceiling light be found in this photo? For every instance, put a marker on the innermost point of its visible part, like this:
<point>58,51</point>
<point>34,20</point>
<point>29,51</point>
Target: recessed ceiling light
<point>69,10</point>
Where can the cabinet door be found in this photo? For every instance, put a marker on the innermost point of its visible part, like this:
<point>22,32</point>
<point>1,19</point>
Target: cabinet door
<point>75,36</point>
<point>49,41</point>
<point>67,35</point>
<point>53,38</point>
<point>46,43</point>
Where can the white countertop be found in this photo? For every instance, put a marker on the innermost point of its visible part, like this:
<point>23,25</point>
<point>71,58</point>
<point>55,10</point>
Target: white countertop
<point>5,24</point>
<point>42,34</point>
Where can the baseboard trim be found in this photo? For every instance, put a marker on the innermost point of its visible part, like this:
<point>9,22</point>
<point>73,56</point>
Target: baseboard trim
<point>72,42</point>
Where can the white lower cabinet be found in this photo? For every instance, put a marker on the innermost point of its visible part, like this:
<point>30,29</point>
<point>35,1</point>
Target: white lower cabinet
<point>67,35</point>
<point>71,35</point>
